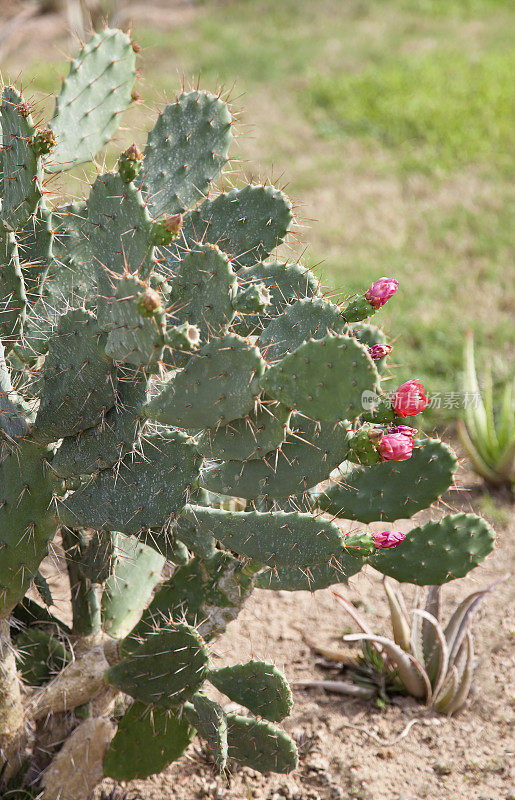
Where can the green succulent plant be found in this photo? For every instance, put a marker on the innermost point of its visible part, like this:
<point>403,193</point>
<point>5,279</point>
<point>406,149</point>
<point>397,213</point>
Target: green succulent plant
<point>173,404</point>
<point>487,433</point>
<point>425,658</point>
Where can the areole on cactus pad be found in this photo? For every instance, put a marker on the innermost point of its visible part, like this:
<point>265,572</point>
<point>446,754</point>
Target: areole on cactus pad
<point>186,412</point>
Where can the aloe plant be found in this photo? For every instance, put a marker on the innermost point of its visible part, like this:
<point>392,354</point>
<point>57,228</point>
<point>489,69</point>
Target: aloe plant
<point>424,658</point>
<point>488,435</point>
<point>433,662</point>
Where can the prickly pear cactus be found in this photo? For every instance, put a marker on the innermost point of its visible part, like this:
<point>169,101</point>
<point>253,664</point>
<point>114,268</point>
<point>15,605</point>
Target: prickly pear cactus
<point>186,414</point>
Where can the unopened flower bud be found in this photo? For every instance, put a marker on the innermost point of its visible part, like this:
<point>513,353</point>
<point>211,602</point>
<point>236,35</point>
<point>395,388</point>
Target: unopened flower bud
<point>404,429</point>
<point>375,435</point>
<point>173,224</point>
<point>410,399</point>
<point>167,229</point>
<point>378,351</point>
<point>44,142</point>
<point>148,302</point>
<point>129,163</point>
<point>395,447</point>
<point>387,539</point>
<point>381,291</point>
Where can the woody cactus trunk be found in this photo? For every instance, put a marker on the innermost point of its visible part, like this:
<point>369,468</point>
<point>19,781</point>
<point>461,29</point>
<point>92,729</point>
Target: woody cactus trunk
<point>170,400</point>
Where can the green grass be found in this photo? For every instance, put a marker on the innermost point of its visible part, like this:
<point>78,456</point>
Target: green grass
<point>460,9</point>
<point>389,121</point>
<point>439,110</point>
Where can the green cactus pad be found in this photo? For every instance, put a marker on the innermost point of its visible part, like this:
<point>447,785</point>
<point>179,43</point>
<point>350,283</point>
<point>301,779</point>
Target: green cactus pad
<point>199,542</point>
<point>12,419</point>
<point>370,335</point>
<point>323,378</point>
<point>119,231</point>
<point>13,300</point>
<point>107,442</point>
<point>207,592</point>
<point>317,576</point>
<point>20,167</point>
<point>310,318</point>
<point>27,522</point>
<point>276,538</point>
<point>99,557</point>
<point>69,279</point>
<point>165,670</point>
<point>258,686</point>
<point>147,740</point>
<point>247,224</point>
<point>202,290</point>
<point>438,552</point>
<point>285,283</point>
<point>179,554</point>
<point>35,242</point>
<point>98,87</point>
<point>393,489</point>
<point>71,245</point>
<point>69,282</point>
<point>260,745</point>
<point>145,490</point>
<point>186,149</point>
<point>218,384</point>
<point>137,571</point>
<point>134,337</point>
<point>42,655</point>
<point>310,453</point>
<point>258,433</point>
<point>79,379</point>
<point>209,720</point>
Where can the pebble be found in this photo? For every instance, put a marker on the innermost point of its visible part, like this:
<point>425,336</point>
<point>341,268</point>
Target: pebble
<point>317,763</point>
<point>442,768</point>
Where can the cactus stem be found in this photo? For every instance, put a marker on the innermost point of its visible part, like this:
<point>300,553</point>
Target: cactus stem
<point>11,710</point>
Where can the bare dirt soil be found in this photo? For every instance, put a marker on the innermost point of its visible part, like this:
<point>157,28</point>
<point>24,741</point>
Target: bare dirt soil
<point>349,748</point>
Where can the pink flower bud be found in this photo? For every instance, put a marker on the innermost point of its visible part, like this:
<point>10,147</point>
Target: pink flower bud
<point>410,399</point>
<point>404,429</point>
<point>381,291</point>
<point>378,351</point>
<point>173,224</point>
<point>387,539</point>
<point>395,447</point>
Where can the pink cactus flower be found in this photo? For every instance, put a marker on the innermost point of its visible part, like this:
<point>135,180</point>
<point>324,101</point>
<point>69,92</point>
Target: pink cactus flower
<point>378,351</point>
<point>404,429</point>
<point>381,291</point>
<point>395,447</point>
<point>410,399</point>
<point>387,539</point>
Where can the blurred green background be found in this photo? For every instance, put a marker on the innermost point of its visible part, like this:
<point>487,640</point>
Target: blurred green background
<point>391,124</point>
